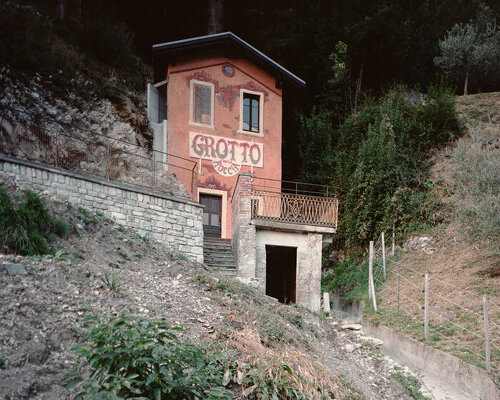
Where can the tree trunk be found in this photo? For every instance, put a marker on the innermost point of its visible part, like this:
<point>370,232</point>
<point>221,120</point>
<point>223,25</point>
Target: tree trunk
<point>215,16</point>
<point>62,10</point>
<point>466,83</point>
<point>78,11</point>
<point>358,86</point>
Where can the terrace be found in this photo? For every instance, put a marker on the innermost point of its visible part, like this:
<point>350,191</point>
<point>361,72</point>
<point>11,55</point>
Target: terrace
<point>289,204</point>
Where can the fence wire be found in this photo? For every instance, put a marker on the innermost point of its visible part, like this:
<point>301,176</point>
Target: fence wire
<point>78,149</point>
<point>456,323</point>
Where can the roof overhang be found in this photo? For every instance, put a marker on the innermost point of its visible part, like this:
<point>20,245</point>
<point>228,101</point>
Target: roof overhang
<point>226,44</point>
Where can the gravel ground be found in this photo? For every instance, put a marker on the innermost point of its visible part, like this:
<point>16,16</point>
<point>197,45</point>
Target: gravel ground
<point>43,311</point>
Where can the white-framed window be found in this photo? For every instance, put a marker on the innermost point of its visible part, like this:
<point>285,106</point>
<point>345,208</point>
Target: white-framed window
<point>201,104</point>
<point>251,113</point>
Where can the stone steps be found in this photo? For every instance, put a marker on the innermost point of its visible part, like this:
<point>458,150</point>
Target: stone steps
<point>218,255</point>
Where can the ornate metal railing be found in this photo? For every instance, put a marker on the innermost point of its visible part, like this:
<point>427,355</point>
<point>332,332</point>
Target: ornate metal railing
<point>294,208</point>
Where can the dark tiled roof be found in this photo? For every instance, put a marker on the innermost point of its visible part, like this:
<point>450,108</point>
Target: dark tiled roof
<point>163,53</point>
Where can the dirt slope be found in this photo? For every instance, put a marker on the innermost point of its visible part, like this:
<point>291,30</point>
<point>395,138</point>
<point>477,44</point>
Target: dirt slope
<point>42,313</point>
<point>461,254</point>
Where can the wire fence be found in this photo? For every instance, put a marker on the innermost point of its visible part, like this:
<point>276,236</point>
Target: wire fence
<point>82,150</point>
<point>433,308</point>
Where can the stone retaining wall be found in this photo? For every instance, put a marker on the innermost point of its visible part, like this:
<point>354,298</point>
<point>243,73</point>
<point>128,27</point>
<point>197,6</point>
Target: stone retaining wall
<point>172,220</point>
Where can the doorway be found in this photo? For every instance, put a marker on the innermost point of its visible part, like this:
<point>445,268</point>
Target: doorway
<point>281,272</point>
<point>212,215</point>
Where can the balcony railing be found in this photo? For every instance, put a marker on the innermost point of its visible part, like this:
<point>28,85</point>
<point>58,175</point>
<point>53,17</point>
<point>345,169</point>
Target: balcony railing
<point>292,202</point>
<point>294,208</point>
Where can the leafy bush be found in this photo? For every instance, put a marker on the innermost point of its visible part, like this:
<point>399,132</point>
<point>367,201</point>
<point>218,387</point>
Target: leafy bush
<point>477,184</point>
<point>348,279</point>
<point>133,357</point>
<point>29,228</point>
<point>377,161</point>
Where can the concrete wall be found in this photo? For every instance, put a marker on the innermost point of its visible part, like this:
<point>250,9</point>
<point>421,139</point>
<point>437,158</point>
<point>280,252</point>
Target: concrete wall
<point>243,239</point>
<point>168,219</point>
<point>449,370</point>
<point>308,279</point>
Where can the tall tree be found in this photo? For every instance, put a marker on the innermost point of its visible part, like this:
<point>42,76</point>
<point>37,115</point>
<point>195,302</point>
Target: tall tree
<point>466,50</point>
<point>215,16</point>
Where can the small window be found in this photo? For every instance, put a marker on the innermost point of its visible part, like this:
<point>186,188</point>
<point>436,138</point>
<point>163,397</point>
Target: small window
<point>251,112</point>
<point>202,98</point>
<point>203,104</point>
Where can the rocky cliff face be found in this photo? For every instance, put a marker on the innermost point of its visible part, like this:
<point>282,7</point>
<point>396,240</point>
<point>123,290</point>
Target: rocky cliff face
<point>100,137</point>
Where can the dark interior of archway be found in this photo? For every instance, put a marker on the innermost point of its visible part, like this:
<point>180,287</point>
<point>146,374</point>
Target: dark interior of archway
<point>281,270</point>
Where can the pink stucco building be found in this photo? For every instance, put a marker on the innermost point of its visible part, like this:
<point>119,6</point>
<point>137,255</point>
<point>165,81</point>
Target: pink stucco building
<point>217,101</point>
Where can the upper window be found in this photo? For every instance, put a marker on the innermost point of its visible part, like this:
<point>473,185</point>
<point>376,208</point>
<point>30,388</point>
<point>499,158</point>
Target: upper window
<point>251,111</point>
<point>202,107</point>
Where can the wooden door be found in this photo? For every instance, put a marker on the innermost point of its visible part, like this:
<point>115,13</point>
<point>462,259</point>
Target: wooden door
<point>212,215</point>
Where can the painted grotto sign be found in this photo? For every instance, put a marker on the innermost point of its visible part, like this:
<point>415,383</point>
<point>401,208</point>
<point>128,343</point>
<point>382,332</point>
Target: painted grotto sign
<point>227,155</point>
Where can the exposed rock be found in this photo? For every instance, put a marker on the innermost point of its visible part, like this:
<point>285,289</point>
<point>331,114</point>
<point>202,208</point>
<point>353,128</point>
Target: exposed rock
<point>88,132</point>
<point>15,269</point>
<point>374,341</point>
<point>352,327</point>
<point>421,243</point>
<point>349,348</point>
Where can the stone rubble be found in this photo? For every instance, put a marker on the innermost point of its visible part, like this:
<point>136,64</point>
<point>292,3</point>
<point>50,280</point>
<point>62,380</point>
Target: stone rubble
<point>31,116</point>
<point>43,312</point>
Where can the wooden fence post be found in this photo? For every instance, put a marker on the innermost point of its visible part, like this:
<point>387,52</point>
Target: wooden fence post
<point>383,256</point>
<point>371,286</point>
<point>393,240</point>
<point>487,334</point>
<point>326,302</point>
<point>399,278</point>
<point>426,308</point>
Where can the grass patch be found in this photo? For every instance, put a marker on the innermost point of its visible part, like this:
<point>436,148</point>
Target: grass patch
<point>348,279</point>
<point>28,229</point>
<point>477,184</point>
<point>411,385</point>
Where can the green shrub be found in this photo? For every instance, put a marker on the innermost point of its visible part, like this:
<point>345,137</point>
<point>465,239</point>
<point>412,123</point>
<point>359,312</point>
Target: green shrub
<point>348,279</point>
<point>133,357</point>
<point>29,228</point>
<point>377,161</point>
<point>477,184</point>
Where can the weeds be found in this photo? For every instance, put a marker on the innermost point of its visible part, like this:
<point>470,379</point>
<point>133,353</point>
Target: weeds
<point>29,228</point>
<point>140,238</point>
<point>411,385</point>
<point>112,281</point>
<point>297,320</point>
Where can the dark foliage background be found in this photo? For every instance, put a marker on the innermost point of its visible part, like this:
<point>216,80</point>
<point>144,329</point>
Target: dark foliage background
<point>360,124</point>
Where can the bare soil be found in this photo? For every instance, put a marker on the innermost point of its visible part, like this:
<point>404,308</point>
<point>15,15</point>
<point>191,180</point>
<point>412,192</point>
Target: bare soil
<point>461,270</point>
<point>42,313</point>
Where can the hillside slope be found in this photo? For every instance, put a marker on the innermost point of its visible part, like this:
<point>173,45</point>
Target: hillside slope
<point>66,103</point>
<point>461,254</point>
<point>44,313</point>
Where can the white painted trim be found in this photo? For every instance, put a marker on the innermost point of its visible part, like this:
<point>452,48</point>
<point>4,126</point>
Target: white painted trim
<point>165,142</point>
<point>260,204</point>
<point>223,194</point>
<point>241,131</point>
<point>157,85</point>
<point>191,104</point>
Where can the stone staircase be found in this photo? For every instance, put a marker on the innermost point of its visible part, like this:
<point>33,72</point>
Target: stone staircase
<point>219,256</point>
